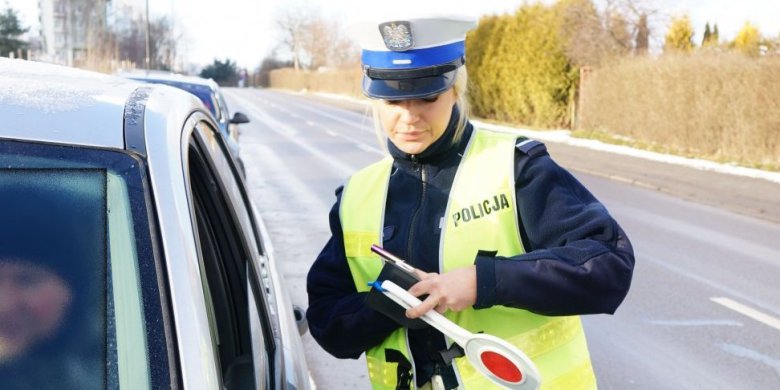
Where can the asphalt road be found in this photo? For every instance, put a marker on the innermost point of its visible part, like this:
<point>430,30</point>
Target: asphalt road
<point>704,308</point>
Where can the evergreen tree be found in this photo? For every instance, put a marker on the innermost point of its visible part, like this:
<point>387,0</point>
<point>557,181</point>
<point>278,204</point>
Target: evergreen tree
<point>715,35</point>
<point>707,35</point>
<point>680,35</point>
<point>518,68</point>
<point>224,73</point>
<point>10,30</point>
<point>480,52</point>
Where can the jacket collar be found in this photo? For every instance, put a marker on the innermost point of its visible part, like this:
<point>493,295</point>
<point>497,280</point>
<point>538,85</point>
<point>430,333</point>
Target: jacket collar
<point>439,149</point>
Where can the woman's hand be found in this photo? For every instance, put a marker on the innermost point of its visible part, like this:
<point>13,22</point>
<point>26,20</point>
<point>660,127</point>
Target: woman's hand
<point>454,290</point>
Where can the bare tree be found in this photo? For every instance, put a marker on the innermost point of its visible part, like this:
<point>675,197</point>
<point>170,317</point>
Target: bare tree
<point>129,30</point>
<point>587,40</point>
<point>313,40</point>
<point>292,22</point>
<point>639,15</point>
<point>594,36</point>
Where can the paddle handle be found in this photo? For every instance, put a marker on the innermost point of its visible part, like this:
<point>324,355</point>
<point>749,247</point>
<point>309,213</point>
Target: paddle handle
<point>402,297</point>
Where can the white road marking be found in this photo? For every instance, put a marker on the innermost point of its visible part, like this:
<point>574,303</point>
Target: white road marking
<point>258,112</point>
<point>748,311</point>
<point>291,134</point>
<point>366,127</point>
<point>705,234</point>
<point>724,289</point>
<point>748,353</point>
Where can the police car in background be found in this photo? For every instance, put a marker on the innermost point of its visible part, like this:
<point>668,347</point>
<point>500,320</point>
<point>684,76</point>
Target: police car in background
<point>208,92</point>
<point>191,297</point>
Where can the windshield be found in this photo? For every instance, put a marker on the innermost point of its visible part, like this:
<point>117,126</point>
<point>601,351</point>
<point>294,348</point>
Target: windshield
<point>74,240</point>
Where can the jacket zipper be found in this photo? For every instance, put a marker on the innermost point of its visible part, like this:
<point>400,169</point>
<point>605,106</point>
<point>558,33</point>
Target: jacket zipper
<point>421,168</point>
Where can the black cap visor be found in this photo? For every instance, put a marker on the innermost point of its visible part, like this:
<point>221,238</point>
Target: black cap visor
<point>409,88</point>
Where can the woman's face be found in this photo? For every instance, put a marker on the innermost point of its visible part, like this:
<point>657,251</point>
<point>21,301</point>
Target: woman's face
<point>33,304</point>
<point>413,125</point>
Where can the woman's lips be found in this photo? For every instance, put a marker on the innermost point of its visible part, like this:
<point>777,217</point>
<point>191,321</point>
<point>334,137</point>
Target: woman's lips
<point>410,135</point>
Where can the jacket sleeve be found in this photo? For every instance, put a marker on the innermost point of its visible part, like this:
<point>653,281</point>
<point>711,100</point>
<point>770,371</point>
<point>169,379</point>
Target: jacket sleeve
<point>577,261</point>
<point>337,315</point>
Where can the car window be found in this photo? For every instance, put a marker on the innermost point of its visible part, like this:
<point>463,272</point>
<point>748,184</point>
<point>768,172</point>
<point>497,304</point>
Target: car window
<point>241,341</point>
<point>225,110</point>
<point>76,260</point>
<point>205,95</point>
<point>220,106</point>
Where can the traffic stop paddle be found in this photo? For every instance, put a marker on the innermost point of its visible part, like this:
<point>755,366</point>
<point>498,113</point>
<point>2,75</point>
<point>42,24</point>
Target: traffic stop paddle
<point>495,358</point>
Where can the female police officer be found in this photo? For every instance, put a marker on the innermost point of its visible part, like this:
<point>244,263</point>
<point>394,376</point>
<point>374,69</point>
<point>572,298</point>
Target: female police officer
<point>510,243</point>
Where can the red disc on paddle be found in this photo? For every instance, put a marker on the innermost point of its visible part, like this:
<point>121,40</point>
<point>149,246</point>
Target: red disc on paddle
<point>501,367</point>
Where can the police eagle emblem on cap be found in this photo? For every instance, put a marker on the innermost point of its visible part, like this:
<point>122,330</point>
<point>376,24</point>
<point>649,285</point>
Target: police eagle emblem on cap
<point>397,35</point>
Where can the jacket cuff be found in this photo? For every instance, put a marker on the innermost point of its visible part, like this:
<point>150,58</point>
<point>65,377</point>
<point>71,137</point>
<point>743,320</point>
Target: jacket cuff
<point>486,281</point>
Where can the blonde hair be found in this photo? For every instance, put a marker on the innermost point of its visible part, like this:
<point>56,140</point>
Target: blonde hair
<point>459,87</point>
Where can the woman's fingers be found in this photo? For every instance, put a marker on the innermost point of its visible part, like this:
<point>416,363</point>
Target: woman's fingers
<point>422,287</point>
<point>454,290</point>
<point>419,310</point>
<point>422,275</point>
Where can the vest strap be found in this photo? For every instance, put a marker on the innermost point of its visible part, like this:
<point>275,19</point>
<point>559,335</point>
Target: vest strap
<point>404,370</point>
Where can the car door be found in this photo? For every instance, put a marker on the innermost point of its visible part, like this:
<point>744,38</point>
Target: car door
<point>241,308</point>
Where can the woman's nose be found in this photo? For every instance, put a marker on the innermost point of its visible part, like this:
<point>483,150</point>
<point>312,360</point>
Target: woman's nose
<point>410,112</point>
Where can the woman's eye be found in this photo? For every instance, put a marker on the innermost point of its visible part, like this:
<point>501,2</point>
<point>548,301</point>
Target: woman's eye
<point>392,102</point>
<point>431,99</point>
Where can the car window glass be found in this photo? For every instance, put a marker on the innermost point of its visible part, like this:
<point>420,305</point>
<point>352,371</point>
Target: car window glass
<point>127,307</point>
<point>52,257</point>
<point>234,192</point>
<point>224,254</point>
<point>256,325</point>
<point>71,240</point>
<point>224,106</point>
<point>219,107</point>
<point>233,187</point>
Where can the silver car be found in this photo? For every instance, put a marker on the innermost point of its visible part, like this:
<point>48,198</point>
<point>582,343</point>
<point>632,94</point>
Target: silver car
<point>131,255</point>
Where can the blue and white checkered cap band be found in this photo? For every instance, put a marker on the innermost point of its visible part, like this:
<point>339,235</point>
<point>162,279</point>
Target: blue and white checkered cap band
<point>415,58</point>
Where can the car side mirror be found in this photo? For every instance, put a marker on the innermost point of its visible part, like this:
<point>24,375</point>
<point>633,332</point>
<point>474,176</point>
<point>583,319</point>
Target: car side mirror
<point>239,118</point>
<point>300,319</point>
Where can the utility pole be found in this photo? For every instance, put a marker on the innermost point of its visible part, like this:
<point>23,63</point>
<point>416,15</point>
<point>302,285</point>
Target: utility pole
<point>148,59</point>
<point>172,49</point>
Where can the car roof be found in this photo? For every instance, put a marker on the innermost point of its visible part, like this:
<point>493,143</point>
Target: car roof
<point>52,103</point>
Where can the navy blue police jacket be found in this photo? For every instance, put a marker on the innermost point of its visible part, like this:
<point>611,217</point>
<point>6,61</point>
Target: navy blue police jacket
<point>578,260</point>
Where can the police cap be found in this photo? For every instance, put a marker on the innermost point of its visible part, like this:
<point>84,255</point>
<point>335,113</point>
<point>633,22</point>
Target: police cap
<point>411,58</point>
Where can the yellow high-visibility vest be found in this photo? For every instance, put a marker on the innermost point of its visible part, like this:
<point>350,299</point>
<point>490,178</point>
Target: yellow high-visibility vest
<point>481,214</point>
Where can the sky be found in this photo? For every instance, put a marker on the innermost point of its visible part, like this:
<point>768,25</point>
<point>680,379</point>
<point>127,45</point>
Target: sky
<point>244,30</point>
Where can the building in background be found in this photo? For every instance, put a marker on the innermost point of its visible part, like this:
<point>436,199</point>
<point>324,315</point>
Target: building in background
<point>70,28</point>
